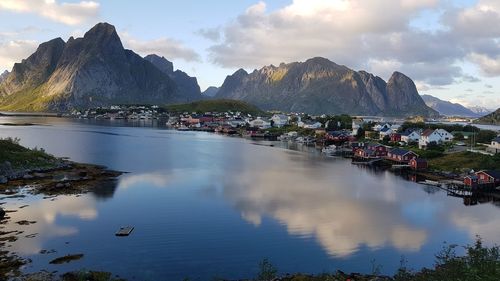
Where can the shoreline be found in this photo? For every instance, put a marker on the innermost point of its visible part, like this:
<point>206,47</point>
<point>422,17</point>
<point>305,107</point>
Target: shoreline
<point>51,177</point>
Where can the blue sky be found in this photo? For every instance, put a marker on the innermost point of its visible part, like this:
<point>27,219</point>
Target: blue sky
<point>451,49</point>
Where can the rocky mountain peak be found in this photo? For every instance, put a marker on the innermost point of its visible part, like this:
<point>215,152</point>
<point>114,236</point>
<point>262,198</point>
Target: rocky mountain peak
<point>161,63</point>
<point>103,34</point>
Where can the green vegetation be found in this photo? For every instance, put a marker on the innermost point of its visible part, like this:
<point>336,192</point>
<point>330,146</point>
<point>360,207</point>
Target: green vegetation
<point>465,161</point>
<point>28,100</point>
<point>291,128</point>
<point>267,271</point>
<point>478,263</point>
<point>21,157</point>
<point>490,119</point>
<point>221,105</point>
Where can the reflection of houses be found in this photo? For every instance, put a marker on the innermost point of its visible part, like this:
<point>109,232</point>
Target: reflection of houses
<point>489,178</point>
<point>401,155</point>
<point>494,147</point>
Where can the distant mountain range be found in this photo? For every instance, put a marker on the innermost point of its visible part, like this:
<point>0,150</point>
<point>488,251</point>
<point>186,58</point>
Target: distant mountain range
<point>490,119</point>
<point>96,70</point>
<point>448,108</point>
<point>210,92</point>
<point>92,71</point>
<point>481,111</point>
<point>319,86</point>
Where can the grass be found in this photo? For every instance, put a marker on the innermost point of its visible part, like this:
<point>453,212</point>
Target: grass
<point>465,161</point>
<point>22,157</point>
<point>478,263</point>
<point>221,105</point>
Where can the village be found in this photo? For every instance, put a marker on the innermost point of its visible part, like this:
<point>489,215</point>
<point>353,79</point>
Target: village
<point>398,144</point>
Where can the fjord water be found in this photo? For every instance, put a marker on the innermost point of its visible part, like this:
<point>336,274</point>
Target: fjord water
<point>206,206</point>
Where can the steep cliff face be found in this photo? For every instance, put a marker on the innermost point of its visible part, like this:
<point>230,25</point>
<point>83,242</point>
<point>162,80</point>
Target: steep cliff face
<point>187,85</point>
<point>34,70</point>
<point>94,70</point>
<point>320,86</point>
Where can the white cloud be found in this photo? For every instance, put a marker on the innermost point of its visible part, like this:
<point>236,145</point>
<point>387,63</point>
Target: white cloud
<point>169,48</point>
<point>373,35</point>
<point>65,12</point>
<point>490,66</point>
<point>12,51</point>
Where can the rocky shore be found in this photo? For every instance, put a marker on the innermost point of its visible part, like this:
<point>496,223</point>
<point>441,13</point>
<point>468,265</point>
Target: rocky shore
<point>32,171</point>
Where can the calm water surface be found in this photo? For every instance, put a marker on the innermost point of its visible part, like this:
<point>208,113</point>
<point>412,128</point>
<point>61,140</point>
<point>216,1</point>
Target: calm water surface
<point>205,205</point>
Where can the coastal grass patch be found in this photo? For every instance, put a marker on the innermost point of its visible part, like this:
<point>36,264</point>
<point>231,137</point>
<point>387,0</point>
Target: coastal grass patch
<point>22,157</point>
<point>465,160</point>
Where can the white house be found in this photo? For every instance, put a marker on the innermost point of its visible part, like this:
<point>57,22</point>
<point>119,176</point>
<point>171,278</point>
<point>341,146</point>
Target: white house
<point>260,123</point>
<point>356,125</point>
<point>494,147</point>
<point>385,131</point>
<point>438,136</point>
<point>379,127</point>
<point>410,136</point>
<point>309,125</point>
<point>279,120</point>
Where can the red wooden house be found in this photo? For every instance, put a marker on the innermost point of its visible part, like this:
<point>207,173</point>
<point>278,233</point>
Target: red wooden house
<point>401,155</point>
<point>395,137</point>
<point>484,178</point>
<point>380,150</point>
<point>418,164</point>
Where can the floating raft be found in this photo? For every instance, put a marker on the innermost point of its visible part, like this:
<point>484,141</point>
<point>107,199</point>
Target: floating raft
<point>124,231</point>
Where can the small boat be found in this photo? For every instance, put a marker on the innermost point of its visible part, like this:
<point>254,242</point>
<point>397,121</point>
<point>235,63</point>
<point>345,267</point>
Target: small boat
<point>183,128</point>
<point>430,182</point>
<point>124,231</point>
<point>331,149</point>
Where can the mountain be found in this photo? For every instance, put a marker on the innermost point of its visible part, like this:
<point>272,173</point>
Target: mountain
<point>480,111</point>
<point>186,83</point>
<point>210,92</point>
<point>4,75</point>
<point>216,105</point>
<point>94,70</point>
<point>319,86</point>
<point>490,119</point>
<point>447,108</point>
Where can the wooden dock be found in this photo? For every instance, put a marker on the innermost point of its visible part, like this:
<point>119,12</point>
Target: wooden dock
<point>124,231</point>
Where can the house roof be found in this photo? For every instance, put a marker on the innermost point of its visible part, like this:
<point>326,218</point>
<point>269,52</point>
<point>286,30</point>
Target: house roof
<point>400,151</point>
<point>420,160</point>
<point>427,132</point>
<point>385,129</point>
<point>492,173</point>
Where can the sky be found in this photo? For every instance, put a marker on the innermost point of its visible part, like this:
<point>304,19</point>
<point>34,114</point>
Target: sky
<point>450,48</point>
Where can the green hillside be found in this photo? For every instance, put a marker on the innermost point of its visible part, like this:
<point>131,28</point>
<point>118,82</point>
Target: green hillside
<point>490,119</point>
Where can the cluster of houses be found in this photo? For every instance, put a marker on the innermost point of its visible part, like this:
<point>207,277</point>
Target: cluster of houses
<point>129,112</point>
<point>391,132</point>
<point>399,156</point>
